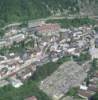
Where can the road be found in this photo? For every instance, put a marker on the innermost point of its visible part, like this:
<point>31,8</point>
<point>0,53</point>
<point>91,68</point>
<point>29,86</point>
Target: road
<point>48,18</point>
<point>32,21</point>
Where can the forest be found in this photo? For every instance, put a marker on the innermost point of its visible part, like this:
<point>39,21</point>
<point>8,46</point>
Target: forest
<point>20,10</point>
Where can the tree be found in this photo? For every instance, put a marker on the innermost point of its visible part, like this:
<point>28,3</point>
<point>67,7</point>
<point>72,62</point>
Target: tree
<point>1,33</point>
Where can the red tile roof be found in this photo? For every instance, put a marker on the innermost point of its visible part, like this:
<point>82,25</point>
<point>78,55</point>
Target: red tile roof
<point>48,28</point>
<point>31,98</point>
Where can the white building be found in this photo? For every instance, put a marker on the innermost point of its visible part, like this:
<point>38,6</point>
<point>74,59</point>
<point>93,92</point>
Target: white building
<point>16,82</point>
<point>2,44</point>
<point>83,87</point>
<point>17,38</point>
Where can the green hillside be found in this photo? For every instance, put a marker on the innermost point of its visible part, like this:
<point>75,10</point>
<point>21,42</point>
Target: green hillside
<point>16,10</point>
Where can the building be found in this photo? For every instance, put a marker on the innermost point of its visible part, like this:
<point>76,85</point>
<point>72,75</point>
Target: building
<point>35,24</point>
<point>83,87</point>
<point>16,83</point>
<point>31,98</point>
<point>94,52</point>
<point>48,29</point>
<point>2,58</point>
<point>93,87</point>
<point>96,43</point>
<point>2,44</point>
<point>3,70</point>
<point>3,83</point>
<point>25,74</point>
<point>85,94</point>
<point>73,51</point>
<point>17,38</point>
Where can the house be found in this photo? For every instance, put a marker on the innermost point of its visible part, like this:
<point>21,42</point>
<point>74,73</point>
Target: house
<point>31,98</point>
<point>85,94</point>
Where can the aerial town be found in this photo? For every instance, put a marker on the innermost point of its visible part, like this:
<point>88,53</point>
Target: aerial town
<point>48,42</point>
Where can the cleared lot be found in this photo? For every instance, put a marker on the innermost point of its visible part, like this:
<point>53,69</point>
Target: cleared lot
<point>68,75</point>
